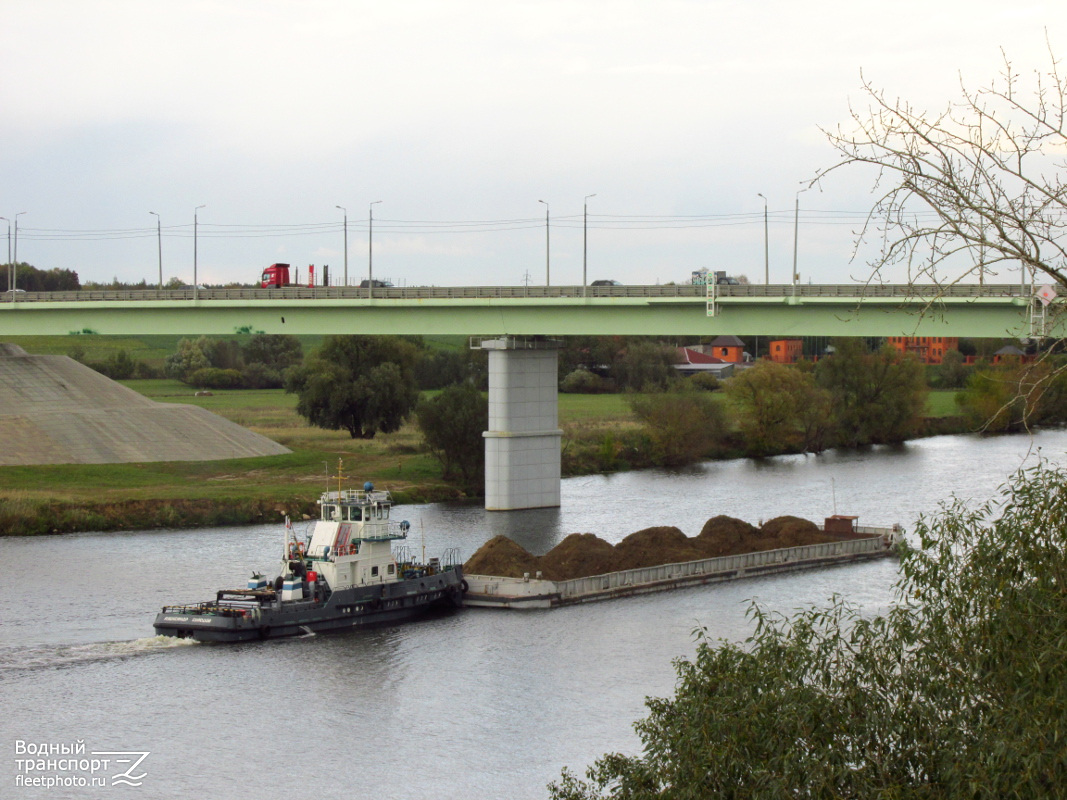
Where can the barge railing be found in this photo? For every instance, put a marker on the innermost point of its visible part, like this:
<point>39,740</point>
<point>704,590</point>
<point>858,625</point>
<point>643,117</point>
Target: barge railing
<point>738,565</point>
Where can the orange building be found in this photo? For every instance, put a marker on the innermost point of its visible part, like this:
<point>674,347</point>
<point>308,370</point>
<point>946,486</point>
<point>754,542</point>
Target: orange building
<point>928,349</point>
<point>786,351</point>
<point>728,348</point>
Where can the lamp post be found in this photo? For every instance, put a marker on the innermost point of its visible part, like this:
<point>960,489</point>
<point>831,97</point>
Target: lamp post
<point>766,245</point>
<point>585,239</point>
<point>548,282</point>
<point>346,242</point>
<point>370,248</point>
<point>15,261</point>
<point>196,224</point>
<point>5,219</point>
<point>796,230</point>
<point>159,239</point>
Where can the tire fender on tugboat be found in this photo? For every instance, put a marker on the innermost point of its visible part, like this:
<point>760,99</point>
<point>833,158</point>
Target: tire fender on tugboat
<point>264,632</point>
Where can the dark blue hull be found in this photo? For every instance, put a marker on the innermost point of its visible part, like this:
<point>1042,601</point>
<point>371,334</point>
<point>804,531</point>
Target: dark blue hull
<point>357,607</point>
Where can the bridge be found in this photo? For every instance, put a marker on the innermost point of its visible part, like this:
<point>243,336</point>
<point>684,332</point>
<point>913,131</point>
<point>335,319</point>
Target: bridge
<point>522,445</point>
<point>683,310</point>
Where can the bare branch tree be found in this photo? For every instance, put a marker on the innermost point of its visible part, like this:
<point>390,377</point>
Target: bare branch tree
<point>978,185</point>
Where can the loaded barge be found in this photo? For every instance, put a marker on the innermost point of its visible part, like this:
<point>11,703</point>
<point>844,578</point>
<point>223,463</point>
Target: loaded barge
<point>345,575</point>
<point>858,543</point>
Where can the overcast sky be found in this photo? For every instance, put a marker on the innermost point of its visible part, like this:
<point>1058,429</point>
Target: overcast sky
<point>459,117</point>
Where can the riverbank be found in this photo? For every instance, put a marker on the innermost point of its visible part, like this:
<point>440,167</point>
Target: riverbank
<point>102,497</point>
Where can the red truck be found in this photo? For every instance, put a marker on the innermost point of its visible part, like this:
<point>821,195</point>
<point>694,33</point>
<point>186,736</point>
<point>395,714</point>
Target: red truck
<point>276,276</point>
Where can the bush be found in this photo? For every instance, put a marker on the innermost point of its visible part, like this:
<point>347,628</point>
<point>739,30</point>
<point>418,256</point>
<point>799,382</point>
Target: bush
<point>682,427</point>
<point>215,378</point>
<point>706,381</point>
<point>260,376</point>
<point>582,381</point>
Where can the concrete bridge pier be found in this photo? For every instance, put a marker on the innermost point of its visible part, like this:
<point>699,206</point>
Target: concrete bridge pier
<point>522,445</point>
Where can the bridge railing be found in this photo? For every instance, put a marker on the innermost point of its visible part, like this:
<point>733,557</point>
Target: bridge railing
<point>851,290</point>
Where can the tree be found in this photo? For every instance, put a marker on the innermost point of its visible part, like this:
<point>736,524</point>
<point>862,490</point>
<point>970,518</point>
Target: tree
<point>275,351</point>
<point>953,371</point>
<point>958,690</point>
<point>265,358</point>
<point>970,188</point>
<point>1015,396</point>
<point>875,398</point>
<point>361,384</point>
<point>452,425</point>
<point>646,366</point>
<point>45,280</point>
<point>778,408</point>
<point>682,427</point>
<point>191,355</point>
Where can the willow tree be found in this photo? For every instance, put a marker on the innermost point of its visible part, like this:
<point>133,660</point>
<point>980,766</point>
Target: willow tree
<point>975,189</point>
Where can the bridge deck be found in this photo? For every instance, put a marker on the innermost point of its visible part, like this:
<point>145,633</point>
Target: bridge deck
<point>991,310</point>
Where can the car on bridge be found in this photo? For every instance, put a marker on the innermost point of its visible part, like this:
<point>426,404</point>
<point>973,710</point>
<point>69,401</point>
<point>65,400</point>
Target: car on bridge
<point>605,283</point>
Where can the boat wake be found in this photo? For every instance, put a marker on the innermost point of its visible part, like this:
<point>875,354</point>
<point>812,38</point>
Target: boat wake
<point>22,658</point>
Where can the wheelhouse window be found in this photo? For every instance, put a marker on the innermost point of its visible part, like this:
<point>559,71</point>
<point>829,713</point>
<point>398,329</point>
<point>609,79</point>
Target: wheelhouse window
<point>373,570</point>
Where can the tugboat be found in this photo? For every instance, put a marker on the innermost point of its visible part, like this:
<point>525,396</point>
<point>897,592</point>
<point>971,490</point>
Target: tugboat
<point>347,575</point>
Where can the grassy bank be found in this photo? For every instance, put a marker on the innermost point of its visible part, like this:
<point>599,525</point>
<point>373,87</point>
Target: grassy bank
<point>77,497</point>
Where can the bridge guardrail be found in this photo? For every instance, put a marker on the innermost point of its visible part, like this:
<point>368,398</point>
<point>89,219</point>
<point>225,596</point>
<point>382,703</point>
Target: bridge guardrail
<point>903,291</point>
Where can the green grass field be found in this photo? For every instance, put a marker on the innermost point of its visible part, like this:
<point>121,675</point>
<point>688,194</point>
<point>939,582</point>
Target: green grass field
<point>102,496</point>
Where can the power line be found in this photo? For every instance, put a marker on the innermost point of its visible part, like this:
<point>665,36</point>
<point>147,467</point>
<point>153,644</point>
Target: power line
<point>619,222</point>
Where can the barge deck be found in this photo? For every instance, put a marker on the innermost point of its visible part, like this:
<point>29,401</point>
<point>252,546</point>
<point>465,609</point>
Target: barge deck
<point>490,591</point>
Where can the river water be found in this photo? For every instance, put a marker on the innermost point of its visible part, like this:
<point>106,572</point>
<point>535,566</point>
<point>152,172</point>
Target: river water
<point>476,704</point>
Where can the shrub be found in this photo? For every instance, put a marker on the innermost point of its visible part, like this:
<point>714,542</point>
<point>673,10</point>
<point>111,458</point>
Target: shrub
<point>215,378</point>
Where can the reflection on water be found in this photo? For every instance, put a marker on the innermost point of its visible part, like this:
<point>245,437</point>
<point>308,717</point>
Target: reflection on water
<point>476,704</point>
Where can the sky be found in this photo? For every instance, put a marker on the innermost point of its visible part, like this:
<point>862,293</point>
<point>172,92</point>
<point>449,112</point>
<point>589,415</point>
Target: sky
<point>468,121</point>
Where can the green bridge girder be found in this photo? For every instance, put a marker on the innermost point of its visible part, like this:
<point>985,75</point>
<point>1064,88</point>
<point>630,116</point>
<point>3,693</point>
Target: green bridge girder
<point>824,310</point>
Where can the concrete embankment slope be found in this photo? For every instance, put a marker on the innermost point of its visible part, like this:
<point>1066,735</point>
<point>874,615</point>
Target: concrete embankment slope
<point>54,410</point>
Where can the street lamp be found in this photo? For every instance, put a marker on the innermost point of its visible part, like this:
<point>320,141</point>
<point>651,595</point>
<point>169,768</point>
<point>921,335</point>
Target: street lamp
<point>547,246</point>
<point>346,242</point>
<point>585,239</point>
<point>766,244</point>
<point>796,229</point>
<point>15,263</point>
<point>196,223</point>
<point>370,248</point>
<point>5,219</point>
<point>159,238</point>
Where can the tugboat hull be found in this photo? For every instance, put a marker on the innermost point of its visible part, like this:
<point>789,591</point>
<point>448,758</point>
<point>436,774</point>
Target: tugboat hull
<point>345,609</point>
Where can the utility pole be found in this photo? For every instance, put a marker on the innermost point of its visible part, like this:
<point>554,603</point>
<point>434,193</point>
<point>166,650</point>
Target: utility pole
<point>766,245</point>
<point>585,240</point>
<point>796,230</point>
<point>5,219</point>
<point>159,239</point>
<point>15,262</point>
<point>346,242</point>
<point>196,280</point>
<point>370,249</point>
<point>548,282</point>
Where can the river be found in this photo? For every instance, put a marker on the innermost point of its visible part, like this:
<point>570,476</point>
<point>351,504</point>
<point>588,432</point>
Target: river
<point>476,704</point>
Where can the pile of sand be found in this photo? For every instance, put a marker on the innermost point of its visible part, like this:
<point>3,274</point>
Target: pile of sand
<point>54,410</point>
<point>581,555</point>
<point>577,556</point>
<point>501,556</point>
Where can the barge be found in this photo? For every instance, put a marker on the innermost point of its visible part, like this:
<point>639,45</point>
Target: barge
<point>346,575</point>
<point>489,591</point>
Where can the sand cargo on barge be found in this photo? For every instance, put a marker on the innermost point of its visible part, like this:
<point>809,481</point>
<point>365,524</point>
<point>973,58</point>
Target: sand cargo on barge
<point>857,543</point>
